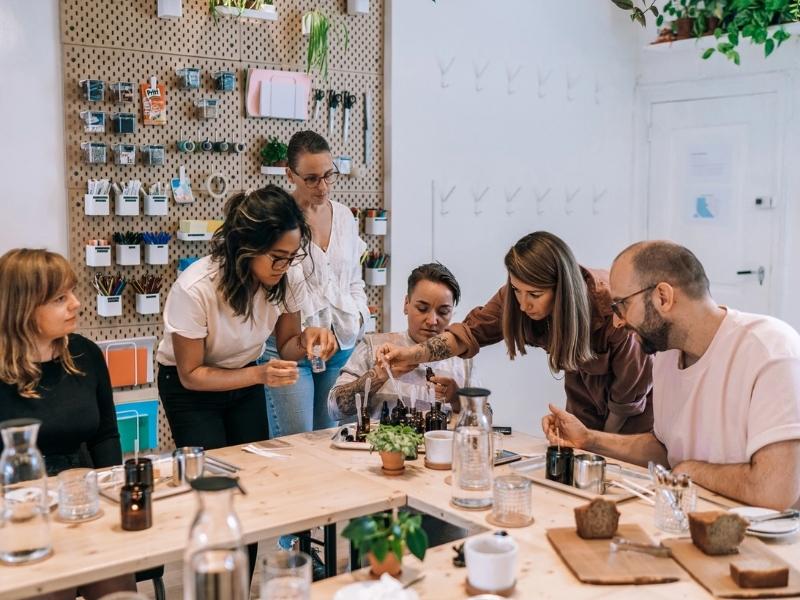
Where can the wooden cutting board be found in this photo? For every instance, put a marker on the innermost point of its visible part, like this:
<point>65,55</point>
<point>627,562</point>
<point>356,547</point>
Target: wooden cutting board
<point>713,572</point>
<point>593,562</point>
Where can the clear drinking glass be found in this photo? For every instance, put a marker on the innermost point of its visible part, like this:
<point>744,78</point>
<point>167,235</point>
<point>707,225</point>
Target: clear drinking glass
<point>218,574</point>
<point>317,362</point>
<point>286,576</point>
<point>473,456</point>
<point>512,501</point>
<point>78,494</point>
<point>24,502</point>
<point>673,504</point>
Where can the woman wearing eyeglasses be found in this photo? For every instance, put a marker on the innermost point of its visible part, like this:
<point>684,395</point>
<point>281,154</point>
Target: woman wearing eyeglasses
<point>218,314</point>
<point>335,297</point>
<point>551,302</point>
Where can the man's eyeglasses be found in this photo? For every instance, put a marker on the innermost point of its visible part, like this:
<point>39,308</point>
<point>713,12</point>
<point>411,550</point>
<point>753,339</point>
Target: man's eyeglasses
<point>284,262</point>
<point>618,307</point>
<point>313,181</point>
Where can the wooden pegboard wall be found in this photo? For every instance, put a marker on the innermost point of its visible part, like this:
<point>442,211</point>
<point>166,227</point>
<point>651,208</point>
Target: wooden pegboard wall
<point>117,40</point>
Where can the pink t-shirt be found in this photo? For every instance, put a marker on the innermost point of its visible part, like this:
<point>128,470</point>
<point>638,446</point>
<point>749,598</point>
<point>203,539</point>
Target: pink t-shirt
<point>743,393</point>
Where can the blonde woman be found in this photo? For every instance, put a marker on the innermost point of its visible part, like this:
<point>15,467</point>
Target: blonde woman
<point>551,302</point>
<point>50,373</point>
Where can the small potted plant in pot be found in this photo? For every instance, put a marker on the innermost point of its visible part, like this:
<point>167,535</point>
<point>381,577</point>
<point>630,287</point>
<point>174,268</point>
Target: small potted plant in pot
<point>382,538</point>
<point>253,9</point>
<point>274,157</point>
<point>394,442</point>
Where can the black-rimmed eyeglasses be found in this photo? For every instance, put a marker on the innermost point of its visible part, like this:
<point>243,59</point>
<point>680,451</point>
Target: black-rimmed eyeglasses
<point>284,262</point>
<point>313,181</point>
<point>618,307</point>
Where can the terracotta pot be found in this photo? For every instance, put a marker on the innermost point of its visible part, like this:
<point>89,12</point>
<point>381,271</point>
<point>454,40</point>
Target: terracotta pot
<point>713,23</point>
<point>393,463</point>
<point>390,565</point>
<point>683,28</point>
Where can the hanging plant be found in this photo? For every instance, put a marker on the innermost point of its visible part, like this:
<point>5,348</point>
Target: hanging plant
<point>638,14</point>
<point>317,25</point>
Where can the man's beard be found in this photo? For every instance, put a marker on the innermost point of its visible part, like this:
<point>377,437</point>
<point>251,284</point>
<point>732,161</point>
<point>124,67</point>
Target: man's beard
<point>654,331</point>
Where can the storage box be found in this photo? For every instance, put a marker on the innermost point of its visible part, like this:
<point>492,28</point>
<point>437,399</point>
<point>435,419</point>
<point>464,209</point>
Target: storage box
<point>125,154</point>
<point>376,225</point>
<point>98,256</point>
<point>96,205</point>
<point>129,254</point>
<point>123,122</point>
<point>156,254</point>
<point>375,276</point>
<point>109,306</point>
<point>153,155</point>
<point>148,304</point>
<point>372,324</point>
<point>156,205</point>
<point>126,206</point>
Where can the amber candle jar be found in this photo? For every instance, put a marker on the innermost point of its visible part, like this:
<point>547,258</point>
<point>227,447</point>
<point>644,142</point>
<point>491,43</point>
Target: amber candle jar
<point>135,497</point>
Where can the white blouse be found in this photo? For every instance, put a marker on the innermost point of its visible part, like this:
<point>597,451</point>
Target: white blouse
<point>335,294</point>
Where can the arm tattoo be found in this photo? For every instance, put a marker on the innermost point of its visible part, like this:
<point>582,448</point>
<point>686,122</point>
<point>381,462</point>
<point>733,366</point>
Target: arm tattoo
<point>345,394</point>
<point>437,348</point>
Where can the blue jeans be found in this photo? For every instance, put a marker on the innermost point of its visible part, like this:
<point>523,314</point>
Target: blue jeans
<point>302,406</point>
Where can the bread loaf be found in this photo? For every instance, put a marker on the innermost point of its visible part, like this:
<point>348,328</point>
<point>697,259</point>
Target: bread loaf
<point>716,532</point>
<point>597,520</point>
<point>759,573</point>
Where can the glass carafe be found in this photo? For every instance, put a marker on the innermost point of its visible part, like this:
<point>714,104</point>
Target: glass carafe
<point>24,503</point>
<point>473,455</point>
<point>215,564</point>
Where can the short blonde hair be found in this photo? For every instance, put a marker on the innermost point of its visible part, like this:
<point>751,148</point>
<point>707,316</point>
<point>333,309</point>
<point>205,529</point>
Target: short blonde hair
<point>29,278</point>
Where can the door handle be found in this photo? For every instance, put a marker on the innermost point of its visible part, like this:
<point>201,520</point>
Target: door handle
<point>760,272</point>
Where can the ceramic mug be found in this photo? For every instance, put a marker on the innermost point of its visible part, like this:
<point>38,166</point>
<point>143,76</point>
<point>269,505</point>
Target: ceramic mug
<point>439,447</point>
<point>491,562</point>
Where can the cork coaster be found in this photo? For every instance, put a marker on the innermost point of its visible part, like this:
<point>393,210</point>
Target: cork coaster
<point>437,466</point>
<point>473,591</point>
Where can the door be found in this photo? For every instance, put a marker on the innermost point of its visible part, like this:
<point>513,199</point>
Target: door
<point>712,188</point>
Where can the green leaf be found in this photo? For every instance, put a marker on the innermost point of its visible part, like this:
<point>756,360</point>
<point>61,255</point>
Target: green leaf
<point>624,4</point>
<point>769,46</point>
<point>708,53</point>
<point>724,47</point>
<point>380,548</point>
<point>417,542</point>
<point>660,20</point>
<point>639,16</point>
<point>736,58</point>
<point>654,10</point>
<point>733,39</point>
<point>397,548</point>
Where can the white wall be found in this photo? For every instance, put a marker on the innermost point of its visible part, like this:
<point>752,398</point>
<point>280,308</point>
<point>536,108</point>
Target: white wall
<point>32,148</point>
<point>563,141</point>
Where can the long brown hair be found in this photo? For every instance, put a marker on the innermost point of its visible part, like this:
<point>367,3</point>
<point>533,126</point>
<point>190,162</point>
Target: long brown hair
<point>29,278</point>
<point>542,260</point>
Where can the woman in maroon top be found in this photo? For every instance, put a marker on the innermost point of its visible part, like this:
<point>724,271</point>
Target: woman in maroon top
<point>553,303</point>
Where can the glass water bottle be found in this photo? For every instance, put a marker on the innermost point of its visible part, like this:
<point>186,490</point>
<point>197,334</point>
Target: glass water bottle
<point>473,455</point>
<point>24,502</point>
<point>215,564</point>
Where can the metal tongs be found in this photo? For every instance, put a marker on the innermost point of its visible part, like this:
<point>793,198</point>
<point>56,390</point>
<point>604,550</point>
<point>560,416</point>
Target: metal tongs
<point>621,544</point>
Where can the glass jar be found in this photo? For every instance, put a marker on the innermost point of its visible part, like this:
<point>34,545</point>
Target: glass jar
<point>473,455</point>
<point>215,564</point>
<point>24,501</point>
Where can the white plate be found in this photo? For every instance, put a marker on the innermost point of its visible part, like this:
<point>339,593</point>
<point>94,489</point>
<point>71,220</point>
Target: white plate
<point>768,529</point>
<point>361,590</point>
<point>29,494</point>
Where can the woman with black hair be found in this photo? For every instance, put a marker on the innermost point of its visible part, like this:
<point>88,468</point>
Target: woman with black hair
<point>218,314</point>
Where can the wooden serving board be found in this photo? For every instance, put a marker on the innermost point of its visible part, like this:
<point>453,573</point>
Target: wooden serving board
<point>713,572</point>
<point>592,561</point>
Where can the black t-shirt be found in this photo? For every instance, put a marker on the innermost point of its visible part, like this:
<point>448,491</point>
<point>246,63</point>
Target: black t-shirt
<point>73,409</point>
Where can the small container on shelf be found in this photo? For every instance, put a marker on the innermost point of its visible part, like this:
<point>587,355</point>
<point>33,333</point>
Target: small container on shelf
<point>126,206</point>
<point>129,254</point>
<point>94,121</point>
<point>122,92</point>
<point>93,89</point>
<point>124,154</point>
<point>189,78</point>
<point>95,153</point>
<point>123,122</point>
<point>376,225</point>
<point>225,81</point>
<point>153,155</point>
<point>98,255</point>
<point>148,304</point>
<point>96,205</point>
<point>375,276</point>
<point>156,254</point>
<point>109,306</point>
<point>156,205</point>
<point>207,108</point>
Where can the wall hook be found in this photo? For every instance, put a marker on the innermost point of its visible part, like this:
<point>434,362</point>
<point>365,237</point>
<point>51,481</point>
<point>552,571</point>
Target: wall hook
<point>511,75</point>
<point>477,197</point>
<point>540,197</point>
<point>568,198</point>
<point>596,197</point>
<point>510,200</point>
<point>571,83</point>
<point>443,198</point>
<point>479,73</point>
<point>541,81</point>
<point>443,70</point>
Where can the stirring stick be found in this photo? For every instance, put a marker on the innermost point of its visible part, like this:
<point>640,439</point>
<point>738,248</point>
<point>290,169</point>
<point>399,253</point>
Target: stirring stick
<point>394,382</point>
<point>367,386</point>
<point>558,438</point>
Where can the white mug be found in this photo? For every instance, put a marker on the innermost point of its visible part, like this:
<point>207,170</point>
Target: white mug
<point>491,562</point>
<point>439,447</point>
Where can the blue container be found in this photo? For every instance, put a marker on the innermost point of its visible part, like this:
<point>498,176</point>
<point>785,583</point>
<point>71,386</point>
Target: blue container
<point>225,80</point>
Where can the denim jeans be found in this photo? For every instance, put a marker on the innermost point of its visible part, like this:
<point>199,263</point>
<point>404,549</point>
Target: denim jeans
<point>302,406</point>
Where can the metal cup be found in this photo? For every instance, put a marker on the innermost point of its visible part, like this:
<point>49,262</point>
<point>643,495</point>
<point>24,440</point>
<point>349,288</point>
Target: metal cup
<point>589,472</point>
<point>187,464</point>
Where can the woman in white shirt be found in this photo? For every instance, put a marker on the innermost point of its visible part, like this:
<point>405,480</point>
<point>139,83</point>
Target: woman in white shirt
<point>218,314</point>
<point>335,297</point>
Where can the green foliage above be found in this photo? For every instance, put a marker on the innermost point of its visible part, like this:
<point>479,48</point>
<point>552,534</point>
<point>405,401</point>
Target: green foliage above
<point>638,14</point>
<point>318,44</point>
<point>383,533</point>
<point>273,152</point>
<point>240,5</point>
<point>394,438</point>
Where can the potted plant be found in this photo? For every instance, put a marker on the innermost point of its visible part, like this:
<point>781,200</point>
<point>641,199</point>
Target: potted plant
<point>382,537</point>
<point>394,442</point>
<point>274,157</point>
<point>684,14</point>
<point>253,9</point>
<point>317,26</point>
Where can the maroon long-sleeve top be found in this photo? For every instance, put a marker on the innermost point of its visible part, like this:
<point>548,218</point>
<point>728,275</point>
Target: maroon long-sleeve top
<point>617,380</point>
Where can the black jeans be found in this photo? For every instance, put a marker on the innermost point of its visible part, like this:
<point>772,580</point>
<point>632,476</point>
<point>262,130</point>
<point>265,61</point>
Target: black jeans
<point>212,419</point>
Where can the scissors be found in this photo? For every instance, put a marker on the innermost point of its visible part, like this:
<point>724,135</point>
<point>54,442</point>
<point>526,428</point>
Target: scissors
<point>319,96</point>
<point>333,102</point>
<point>348,100</point>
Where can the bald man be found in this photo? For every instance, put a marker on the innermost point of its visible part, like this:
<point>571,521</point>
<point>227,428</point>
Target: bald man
<point>726,384</point>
